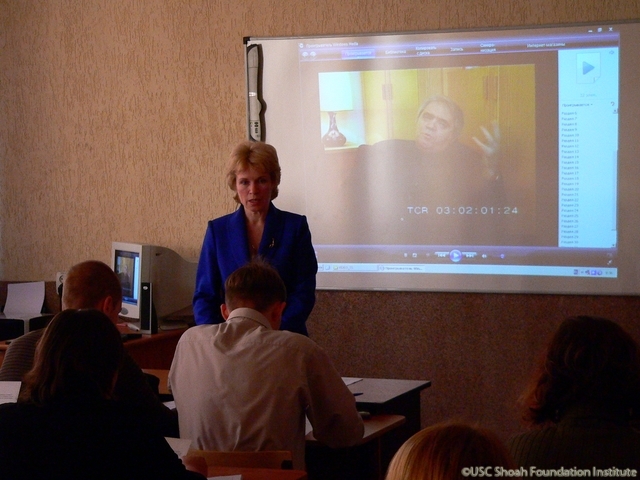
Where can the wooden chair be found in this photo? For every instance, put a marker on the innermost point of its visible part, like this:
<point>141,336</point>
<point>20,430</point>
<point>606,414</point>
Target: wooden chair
<point>277,459</point>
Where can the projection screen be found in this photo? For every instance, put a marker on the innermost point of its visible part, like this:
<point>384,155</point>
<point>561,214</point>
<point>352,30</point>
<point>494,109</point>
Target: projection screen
<point>490,161</point>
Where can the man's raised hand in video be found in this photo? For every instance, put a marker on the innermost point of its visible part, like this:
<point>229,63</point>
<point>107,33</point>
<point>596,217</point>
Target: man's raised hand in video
<point>490,151</point>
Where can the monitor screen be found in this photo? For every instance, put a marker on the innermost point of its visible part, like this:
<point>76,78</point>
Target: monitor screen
<point>490,160</point>
<point>127,267</point>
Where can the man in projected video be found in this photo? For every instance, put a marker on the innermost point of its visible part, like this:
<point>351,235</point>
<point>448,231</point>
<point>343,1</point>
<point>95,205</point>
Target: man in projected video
<point>434,189</point>
<point>439,124</point>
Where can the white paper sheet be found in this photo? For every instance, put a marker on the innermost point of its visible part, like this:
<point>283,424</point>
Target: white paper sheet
<point>9,392</point>
<point>350,380</point>
<point>307,426</point>
<point>24,299</point>
<point>179,445</point>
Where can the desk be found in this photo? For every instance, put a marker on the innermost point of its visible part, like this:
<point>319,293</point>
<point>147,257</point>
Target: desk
<point>163,375</point>
<point>391,396</point>
<point>258,473</point>
<point>382,398</point>
<point>362,461</point>
<point>149,351</point>
<point>156,350</point>
<point>377,395</point>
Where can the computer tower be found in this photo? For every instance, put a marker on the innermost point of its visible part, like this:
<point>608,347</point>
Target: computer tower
<point>148,317</point>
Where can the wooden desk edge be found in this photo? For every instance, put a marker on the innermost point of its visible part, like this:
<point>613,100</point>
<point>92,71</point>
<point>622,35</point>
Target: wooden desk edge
<point>4,344</point>
<point>163,376</point>
<point>374,427</point>
<point>257,473</point>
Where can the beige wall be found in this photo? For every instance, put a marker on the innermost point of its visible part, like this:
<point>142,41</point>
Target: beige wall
<point>117,116</point>
<point>116,119</point>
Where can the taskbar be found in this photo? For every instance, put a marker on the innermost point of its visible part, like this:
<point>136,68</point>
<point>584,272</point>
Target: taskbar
<point>417,268</point>
<point>492,256</point>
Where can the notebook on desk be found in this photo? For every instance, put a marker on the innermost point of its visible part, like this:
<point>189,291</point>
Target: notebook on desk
<point>22,310</point>
<point>9,391</point>
<point>24,300</point>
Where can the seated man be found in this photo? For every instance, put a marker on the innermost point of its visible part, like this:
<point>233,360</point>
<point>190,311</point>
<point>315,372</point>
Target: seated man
<point>245,385</point>
<point>93,284</point>
<point>433,189</point>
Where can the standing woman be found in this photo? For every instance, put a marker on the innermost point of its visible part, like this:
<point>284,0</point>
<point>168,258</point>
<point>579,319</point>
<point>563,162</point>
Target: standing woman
<point>257,228</point>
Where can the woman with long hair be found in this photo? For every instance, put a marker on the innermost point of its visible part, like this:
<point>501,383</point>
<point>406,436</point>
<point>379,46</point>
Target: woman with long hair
<point>583,400</point>
<point>66,423</point>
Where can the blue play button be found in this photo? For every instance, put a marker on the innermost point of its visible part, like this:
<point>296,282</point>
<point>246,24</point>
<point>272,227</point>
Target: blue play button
<point>586,68</point>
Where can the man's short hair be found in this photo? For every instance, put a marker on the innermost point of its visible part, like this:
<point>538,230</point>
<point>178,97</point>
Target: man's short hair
<point>255,285</point>
<point>88,283</point>
<point>454,109</point>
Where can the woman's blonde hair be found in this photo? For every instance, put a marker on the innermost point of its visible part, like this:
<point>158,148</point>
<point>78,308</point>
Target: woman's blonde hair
<point>441,451</point>
<point>261,156</point>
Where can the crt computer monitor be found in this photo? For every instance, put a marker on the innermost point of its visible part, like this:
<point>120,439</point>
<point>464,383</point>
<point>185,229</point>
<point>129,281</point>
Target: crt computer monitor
<point>156,282</point>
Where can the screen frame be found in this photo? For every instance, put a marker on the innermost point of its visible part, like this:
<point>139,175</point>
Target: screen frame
<point>626,283</point>
<point>133,252</point>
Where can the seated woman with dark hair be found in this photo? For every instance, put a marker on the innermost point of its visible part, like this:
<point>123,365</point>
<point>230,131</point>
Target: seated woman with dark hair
<point>446,450</point>
<point>583,399</point>
<point>65,424</point>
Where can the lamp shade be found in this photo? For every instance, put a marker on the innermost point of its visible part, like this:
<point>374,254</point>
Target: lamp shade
<point>335,91</point>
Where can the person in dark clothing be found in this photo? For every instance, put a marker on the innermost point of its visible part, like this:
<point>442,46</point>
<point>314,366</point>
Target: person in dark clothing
<point>66,423</point>
<point>92,284</point>
<point>584,401</point>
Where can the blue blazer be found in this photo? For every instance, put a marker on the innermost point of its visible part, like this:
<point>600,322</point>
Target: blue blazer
<point>286,245</point>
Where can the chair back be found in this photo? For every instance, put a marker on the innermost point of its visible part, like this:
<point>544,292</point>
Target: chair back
<point>278,459</point>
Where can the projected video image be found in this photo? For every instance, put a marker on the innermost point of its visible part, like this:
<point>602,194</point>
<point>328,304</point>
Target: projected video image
<point>430,156</point>
<point>501,160</point>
